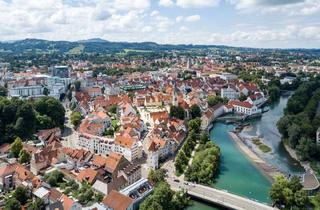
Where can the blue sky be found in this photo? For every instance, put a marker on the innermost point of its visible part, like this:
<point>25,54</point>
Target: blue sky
<point>252,23</point>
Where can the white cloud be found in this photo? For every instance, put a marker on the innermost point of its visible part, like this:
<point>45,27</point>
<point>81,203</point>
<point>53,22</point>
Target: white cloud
<point>193,18</point>
<point>197,3</point>
<point>289,7</point>
<point>146,29</point>
<point>166,3</point>
<point>154,13</point>
<point>179,19</point>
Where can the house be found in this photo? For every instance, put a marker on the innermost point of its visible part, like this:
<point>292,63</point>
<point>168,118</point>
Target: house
<point>211,114</point>
<point>43,194</point>
<point>257,99</point>
<point>114,163</point>
<point>118,201</point>
<point>94,91</point>
<point>244,107</point>
<point>138,191</point>
<point>229,93</point>
<point>89,175</point>
<point>69,204</point>
<point>6,177</point>
<point>127,145</point>
<point>131,172</point>
<point>25,177</point>
<point>248,88</point>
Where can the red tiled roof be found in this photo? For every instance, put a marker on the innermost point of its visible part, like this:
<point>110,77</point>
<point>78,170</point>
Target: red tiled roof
<point>117,201</point>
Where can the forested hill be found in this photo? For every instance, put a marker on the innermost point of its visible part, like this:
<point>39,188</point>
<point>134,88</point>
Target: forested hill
<point>85,46</point>
<point>103,46</point>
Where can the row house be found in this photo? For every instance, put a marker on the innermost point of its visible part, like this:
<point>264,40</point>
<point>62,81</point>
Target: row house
<point>244,107</point>
<point>211,114</point>
<point>127,145</point>
<point>248,88</point>
<point>164,140</point>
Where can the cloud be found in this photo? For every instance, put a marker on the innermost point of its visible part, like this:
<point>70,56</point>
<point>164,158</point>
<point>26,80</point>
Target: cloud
<point>193,18</point>
<point>197,3</point>
<point>179,19</point>
<point>288,7</point>
<point>166,3</point>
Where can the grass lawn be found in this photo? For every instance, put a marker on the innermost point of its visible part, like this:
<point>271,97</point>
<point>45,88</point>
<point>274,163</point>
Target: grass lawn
<point>264,148</point>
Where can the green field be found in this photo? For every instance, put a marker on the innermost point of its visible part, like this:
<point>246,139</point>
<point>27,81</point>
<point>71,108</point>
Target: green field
<point>76,50</point>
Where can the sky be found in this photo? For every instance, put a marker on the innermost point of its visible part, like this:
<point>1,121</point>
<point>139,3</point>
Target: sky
<point>249,23</point>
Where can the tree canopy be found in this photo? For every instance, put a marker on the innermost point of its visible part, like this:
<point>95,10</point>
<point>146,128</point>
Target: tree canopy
<point>195,111</point>
<point>22,118</point>
<point>288,194</point>
<point>177,111</point>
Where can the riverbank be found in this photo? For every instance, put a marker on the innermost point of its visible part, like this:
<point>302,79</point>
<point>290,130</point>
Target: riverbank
<point>269,171</point>
<point>294,155</point>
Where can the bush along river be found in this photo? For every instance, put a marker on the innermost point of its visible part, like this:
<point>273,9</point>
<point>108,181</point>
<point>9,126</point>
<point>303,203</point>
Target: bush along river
<point>238,174</point>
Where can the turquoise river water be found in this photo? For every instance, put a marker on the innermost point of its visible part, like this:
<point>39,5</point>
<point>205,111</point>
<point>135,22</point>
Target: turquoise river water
<point>237,173</point>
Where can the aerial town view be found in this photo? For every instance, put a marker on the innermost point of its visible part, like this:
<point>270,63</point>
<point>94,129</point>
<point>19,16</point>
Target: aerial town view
<point>159,104</point>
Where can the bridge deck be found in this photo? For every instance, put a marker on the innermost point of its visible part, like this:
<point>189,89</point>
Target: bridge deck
<point>219,197</point>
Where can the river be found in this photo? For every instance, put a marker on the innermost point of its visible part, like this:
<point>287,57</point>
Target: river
<point>237,173</point>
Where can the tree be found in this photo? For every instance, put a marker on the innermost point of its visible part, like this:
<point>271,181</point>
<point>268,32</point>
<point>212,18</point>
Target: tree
<point>12,204</point>
<point>242,97</point>
<point>306,148</point>
<point>37,204</point>
<point>113,109</point>
<point>21,194</point>
<point>294,134</point>
<point>214,100</point>
<point>204,138</point>
<point>177,111</point>
<point>288,193</point>
<point>195,125</point>
<point>195,111</point>
<point>16,147</point>
<point>76,118</point>
<point>301,198</point>
<point>77,85</point>
<point>24,157</point>
<point>3,91</point>
<point>52,108</point>
<point>98,197</point>
<point>26,120</point>
<point>157,176</point>
<point>274,93</point>
<point>276,191</point>
<point>43,122</point>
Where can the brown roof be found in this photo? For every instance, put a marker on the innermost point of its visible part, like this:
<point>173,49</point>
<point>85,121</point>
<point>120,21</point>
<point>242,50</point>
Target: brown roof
<point>67,202</point>
<point>117,201</point>
<point>88,175</point>
<point>5,148</point>
<point>23,174</point>
<point>55,195</point>
<point>8,169</point>
<point>124,140</point>
<point>99,161</point>
<point>112,161</point>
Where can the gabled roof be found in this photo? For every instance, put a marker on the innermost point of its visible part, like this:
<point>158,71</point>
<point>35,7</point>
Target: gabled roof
<point>88,175</point>
<point>117,201</point>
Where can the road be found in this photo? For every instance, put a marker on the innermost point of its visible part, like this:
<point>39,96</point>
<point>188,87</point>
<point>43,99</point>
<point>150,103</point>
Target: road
<point>219,197</point>
<point>70,135</point>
